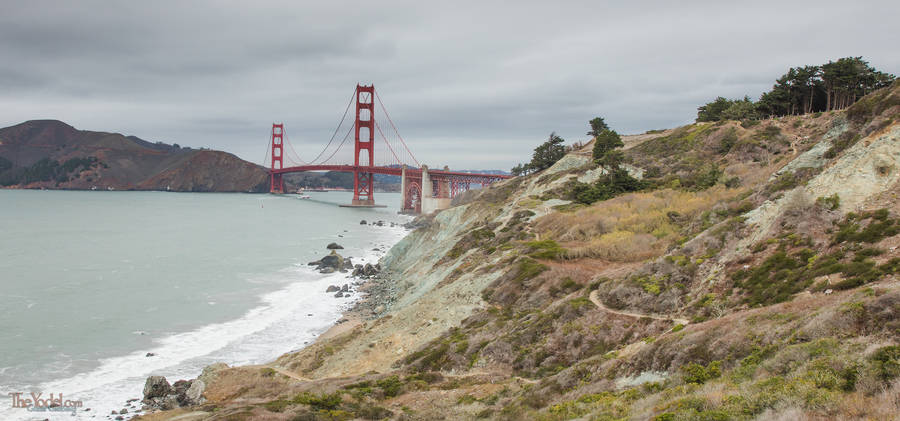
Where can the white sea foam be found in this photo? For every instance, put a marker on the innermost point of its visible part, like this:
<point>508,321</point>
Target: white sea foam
<point>280,324</point>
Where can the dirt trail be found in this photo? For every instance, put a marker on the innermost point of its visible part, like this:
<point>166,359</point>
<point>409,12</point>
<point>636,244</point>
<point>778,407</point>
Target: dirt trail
<point>599,304</point>
<point>289,374</point>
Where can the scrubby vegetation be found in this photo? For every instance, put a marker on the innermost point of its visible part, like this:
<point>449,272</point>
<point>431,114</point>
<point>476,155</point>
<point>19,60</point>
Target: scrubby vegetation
<point>719,289</point>
<point>794,267</point>
<point>46,170</point>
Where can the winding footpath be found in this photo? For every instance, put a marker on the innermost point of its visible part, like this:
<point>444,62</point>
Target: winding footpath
<point>596,300</point>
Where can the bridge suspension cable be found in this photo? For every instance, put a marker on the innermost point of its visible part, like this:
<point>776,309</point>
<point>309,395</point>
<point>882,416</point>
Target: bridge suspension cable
<point>395,129</point>
<point>265,160</point>
<point>386,142</point>
<point>346,136</point>
<point>336,129</point>
<point>291,148</point>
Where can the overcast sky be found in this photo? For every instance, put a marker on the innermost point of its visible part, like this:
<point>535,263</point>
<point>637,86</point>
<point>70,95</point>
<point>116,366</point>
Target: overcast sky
<point>472,85</point>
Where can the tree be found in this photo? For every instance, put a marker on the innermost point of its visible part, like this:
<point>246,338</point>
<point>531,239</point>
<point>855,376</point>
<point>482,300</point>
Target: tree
<point>547,153</point>
<point>743,109</point>
<point>615,181</point>
<point>805,89</point>
<point>712,111</point>
<point>597,126</point>
<point>519,169</point>
<point>606,142</point>
<point>611,160</point>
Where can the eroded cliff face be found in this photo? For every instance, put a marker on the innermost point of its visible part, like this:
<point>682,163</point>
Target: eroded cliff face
<point>770,291</point>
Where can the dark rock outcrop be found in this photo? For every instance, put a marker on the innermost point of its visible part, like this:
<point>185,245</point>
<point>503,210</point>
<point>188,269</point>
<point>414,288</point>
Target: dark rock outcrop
<point>158,394</point>
<point>366,271</point>
<point>333,262</point>
<point>156,387</point>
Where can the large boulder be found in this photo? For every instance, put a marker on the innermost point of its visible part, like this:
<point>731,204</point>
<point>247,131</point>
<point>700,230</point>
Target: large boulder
<point>189,392</point>
<point>158,394</point>
<point>194,394</point>
<point>334,246</point>
<point>331,263</point>
<point>156,387</point>
<point>333,260</point>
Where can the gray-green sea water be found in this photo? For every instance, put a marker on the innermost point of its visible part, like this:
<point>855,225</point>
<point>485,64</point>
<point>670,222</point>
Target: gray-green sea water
<point>90,282</point>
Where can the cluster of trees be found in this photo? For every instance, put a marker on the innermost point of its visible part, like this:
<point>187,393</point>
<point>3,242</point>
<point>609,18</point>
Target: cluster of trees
<point>606,153</point>
<point>807,89</point>
<point>45,170</point>
<point>545,155</point>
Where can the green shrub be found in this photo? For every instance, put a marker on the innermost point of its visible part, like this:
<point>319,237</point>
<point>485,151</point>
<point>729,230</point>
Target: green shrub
<point>880,226</point>
<point>277,405</point>
<point>886,361</point>
<point>699,374</point>
<point>391,386</point>
<point>528,269</point>
<point>831,202</point>
<point>326,401</point>
<point>372,412</point>
<point>545,249</point>
<point>844,141</point>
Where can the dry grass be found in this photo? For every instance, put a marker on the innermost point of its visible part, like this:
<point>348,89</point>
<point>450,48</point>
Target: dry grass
<point>245,382</point>
<point>631,227</point>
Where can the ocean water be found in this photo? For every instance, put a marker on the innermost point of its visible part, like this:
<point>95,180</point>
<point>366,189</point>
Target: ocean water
<point>91,282</point>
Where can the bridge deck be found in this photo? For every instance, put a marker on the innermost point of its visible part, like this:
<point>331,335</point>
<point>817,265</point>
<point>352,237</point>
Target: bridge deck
<point>410,172</point>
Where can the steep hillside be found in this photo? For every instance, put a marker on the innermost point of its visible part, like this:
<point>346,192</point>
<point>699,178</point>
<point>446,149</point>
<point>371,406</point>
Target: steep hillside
<point>755,277</point>
<point>52,154</point>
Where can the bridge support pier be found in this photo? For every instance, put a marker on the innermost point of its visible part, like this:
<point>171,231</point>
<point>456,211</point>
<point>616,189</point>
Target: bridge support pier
<point>403,193</point>
<point>431,201</point>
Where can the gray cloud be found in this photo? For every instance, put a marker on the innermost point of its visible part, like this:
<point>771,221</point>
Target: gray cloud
<point>470,84</point>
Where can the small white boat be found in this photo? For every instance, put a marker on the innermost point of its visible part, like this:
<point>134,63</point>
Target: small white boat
<point>304,196</point>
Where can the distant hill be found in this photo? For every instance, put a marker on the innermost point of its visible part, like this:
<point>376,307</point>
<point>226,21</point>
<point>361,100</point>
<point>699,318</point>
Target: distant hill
<point>54,155</point>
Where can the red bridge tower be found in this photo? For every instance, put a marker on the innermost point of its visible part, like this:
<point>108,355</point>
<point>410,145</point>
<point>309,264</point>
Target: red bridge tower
<point>363,181</point>
<point>277,183</point>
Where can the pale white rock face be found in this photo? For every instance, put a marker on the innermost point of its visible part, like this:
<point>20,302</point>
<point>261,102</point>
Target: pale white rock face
<point>644,377</point>
<point>815,156</point>
<point>868,168</point>
<point>568,162</point>
<point>812,158</point>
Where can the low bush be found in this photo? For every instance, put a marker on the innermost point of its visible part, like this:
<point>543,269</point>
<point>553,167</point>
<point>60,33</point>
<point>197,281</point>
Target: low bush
<point>699,374</point>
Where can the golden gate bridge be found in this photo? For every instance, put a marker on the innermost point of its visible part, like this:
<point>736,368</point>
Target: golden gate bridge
<point>423,190</point>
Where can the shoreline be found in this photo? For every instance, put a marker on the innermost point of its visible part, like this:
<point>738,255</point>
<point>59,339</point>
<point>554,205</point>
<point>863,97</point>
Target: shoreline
<point>367,294</point>
<point>381,239</point>
<point>377,295</point>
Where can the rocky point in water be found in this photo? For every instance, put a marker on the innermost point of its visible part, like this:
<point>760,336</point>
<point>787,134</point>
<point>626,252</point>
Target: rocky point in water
<point>333,262</point>
<point>159,394</point>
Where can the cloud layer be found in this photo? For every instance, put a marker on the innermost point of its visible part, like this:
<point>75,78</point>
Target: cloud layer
<point>469,84</point>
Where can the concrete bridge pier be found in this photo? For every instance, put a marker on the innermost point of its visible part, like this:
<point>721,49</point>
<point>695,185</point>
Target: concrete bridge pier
<point>444,188</point>
<point>402,187</point>
<point>430,201</point>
